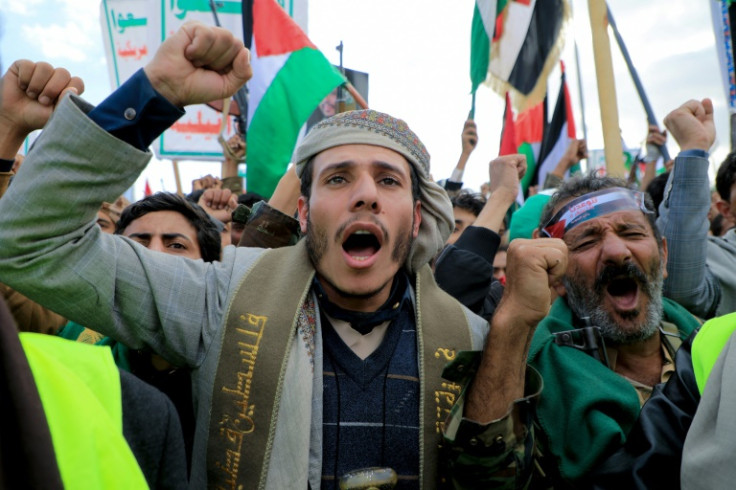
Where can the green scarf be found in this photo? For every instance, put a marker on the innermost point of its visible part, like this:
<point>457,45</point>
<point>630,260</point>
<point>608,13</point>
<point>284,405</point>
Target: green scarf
<point>586,410</point>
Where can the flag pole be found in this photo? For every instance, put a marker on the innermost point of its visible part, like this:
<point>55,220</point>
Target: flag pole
<point>177,177</point>
<point>356,95</point>
<point>580,81</point>
<point>241,96</point>
<point>637,82</point>
<point>613,149</point>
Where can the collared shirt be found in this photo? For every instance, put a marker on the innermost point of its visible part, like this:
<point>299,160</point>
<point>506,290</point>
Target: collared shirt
<point>135,112</point>
<point>644,391</point>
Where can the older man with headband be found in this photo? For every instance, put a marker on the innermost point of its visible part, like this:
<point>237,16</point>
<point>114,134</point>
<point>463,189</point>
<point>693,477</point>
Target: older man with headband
<point>309,361</point>
<point>610,337</point>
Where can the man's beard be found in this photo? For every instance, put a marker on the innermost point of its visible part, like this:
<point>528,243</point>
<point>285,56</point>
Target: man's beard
<point>587,302</point>
<point>317,244</point>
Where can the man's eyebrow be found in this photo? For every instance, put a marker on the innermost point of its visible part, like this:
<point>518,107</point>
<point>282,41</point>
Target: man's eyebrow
<point>628,225</point>
<point>389,166</point>
<point>347,164</point>
<point>144,236</point>
<point>165,236</point>
<point>170,236</point>
<point>586,233</point>
<point>332,167</point>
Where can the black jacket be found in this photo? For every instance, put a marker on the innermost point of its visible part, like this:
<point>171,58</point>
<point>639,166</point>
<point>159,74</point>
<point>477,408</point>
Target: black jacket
<point>465,271</point>
<point>652,455</point>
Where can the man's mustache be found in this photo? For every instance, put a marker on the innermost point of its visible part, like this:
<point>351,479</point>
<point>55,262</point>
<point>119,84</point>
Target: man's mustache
<point>614,271</point>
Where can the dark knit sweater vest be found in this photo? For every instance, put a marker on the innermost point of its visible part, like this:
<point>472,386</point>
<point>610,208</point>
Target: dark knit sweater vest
<point>371,406</point>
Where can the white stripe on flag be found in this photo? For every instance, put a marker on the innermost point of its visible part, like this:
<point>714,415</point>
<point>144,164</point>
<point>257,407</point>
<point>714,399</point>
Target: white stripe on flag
<point>503,59</point>
<point>555,155</point>
<point>265,69</point>
<point>487,9</point>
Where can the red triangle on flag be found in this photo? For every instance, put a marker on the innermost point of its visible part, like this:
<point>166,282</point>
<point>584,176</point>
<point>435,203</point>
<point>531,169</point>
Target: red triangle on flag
<point>530,125</point>
<point>568,107</point>
<point>508,135</point>
<point>274,31</point>
<point>147,189</point>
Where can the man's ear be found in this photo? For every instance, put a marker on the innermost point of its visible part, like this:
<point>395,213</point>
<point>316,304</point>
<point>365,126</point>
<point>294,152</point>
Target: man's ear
<point>724,207</point>
<point>535,233</point>
<point>417,218</point>
<point>302,207</point>
<point>663,258</point>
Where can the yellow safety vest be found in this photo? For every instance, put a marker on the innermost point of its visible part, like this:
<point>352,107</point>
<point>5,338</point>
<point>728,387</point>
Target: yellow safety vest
<point>708,344</point>
<point>79,386</point>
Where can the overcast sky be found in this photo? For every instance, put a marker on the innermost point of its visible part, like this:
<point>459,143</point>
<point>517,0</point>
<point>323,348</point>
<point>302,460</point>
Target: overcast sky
<point>417,55</point>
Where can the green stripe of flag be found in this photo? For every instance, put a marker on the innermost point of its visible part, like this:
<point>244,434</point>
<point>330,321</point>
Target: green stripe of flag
<point>480,50</point>
<point>305,79</point>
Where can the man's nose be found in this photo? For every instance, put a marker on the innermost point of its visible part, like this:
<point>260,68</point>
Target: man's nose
<point>614,249</point>
<point>365,194</point>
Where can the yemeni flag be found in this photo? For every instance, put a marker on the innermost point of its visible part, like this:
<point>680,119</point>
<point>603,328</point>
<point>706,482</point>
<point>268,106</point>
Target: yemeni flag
<point>523,134</point>
<point>290,78</point>
<point>508,133</point>
<point>517,43</point>
<point>560,132</point>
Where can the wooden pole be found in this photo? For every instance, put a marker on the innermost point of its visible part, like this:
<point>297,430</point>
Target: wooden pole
<point>606,89</point>
<point>177,177</point>
<point>356,95</point>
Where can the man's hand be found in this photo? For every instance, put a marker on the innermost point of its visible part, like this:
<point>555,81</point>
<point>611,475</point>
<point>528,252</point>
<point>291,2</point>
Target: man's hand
<point>206,182</point>
<point>219,203</point>
<point>469,137</point>
<point>692,125</point>
<point>533,269</point>
<point>236,148</point>
<point>505,173</point>
<point>199,64</point>
<point>30,91</point>
<point>655,136</point>
<point>576,151</point>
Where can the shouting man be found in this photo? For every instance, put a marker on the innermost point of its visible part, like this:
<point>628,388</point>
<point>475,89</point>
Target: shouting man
<point>309,361</point>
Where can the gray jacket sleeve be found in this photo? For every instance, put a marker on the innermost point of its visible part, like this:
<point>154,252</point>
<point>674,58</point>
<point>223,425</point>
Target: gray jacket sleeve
<point>51,250</point>
<point>683,222</point>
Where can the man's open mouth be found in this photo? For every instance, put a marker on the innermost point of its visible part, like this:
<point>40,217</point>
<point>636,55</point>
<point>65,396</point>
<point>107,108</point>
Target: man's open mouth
<point>361,244</point>
<point>624,292</point>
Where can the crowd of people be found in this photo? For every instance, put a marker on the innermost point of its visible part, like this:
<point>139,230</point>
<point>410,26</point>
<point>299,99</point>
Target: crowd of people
<point>364,323</point>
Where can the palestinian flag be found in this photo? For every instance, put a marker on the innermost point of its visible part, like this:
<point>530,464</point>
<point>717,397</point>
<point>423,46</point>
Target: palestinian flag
<point>523,134</point>
<point>290,78</point>
<point>518,43</point>
<point>508,133</point>
<point>558,135</point>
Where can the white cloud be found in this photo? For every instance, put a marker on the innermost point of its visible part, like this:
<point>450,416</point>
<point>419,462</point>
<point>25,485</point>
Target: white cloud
<point>84,12</point>
<point>18,7</point>
<point>62,42</point>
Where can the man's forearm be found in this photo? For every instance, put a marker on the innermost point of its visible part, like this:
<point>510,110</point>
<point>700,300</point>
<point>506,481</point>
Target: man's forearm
<point>683,222</point>
<point>500,378</point>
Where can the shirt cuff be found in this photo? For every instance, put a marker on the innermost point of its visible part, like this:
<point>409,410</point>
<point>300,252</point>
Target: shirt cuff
<point>499,436</point>
<point>457,175</point>
<point>135,112</point>
<point>694,152</point>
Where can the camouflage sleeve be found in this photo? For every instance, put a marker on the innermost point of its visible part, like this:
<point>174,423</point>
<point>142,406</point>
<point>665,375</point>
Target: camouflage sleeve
<point>495,455</point>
